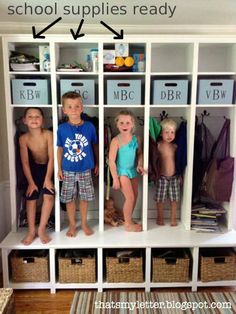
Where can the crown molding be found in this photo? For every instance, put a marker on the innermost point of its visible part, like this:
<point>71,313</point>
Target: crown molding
<point>25,28</point>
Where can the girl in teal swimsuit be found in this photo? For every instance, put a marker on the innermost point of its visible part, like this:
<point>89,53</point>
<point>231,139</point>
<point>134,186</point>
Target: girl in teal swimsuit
<point>125,148</point>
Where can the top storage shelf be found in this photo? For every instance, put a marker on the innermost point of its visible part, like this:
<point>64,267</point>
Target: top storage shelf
<point>172,58</point>
<point>124,57</point>
<point>76,57</point>
<point>29,57</point>
<point>217,58</point>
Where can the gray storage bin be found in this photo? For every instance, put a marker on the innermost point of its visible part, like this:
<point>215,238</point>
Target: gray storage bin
<point>30,92</point>
<point>215,91</point>
<point>86,88</point>
<point>170,92</point>
<point>124,92</point>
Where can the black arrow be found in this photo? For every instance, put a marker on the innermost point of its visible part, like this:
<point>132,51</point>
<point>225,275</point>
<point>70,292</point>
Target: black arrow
<point>35,36</point>
<point>77,34</point>
<point>118,36</point>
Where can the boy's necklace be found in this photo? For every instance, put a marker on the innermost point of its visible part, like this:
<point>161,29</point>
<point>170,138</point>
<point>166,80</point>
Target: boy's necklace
<point>78,123</point>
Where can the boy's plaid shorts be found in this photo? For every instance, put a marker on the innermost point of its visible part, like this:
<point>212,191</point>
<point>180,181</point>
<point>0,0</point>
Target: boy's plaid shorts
<point>77,185</point>
<point>168,188</point>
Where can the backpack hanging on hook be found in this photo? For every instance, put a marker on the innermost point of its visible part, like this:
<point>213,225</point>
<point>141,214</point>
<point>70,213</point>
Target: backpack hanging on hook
<point>219,175</point>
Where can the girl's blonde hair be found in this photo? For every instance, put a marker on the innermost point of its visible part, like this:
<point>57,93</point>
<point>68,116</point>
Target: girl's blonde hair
<point>126,113</point>
<point>166,123</point>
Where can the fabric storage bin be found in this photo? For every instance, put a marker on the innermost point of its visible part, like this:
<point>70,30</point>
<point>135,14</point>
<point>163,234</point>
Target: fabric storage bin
<point>124,268</point>
<point>170,265</point>
<point>77,266</point>
<point>215,91</point>
<point>124,92</point>
<point>29,265</point>
<point>30,92</point>
<point>86,88</point>
<point>217,264</point>
<point>170,92</point>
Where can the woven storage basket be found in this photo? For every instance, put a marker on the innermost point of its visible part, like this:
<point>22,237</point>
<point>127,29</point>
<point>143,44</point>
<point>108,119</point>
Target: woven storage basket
<point>217,264</point>
<point>77,269</point>
<point>124,269</point>
<point>29,266</point>
<point>7,305</point>
<point>171,269</point>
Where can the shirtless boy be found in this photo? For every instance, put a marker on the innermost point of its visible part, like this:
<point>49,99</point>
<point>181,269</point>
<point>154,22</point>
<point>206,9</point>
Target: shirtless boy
<point>36,150</point>
<point>168,182</point>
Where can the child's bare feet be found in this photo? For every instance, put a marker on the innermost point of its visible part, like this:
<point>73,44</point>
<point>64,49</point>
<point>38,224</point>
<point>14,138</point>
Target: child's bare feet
<point>43,236</point>
<point>173,223</point>
<point>160,222</point>
<point>133,227</point>
<point>87,230</point>
<point>29,238</point>
<point>71,231</point>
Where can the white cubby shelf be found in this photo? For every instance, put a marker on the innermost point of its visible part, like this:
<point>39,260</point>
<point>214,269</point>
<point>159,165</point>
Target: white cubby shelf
<point>190,57</point>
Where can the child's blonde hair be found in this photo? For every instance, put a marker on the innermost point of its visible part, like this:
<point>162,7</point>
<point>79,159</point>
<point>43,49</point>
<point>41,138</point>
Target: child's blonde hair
<point>166,123</point>
<point>126,113</point>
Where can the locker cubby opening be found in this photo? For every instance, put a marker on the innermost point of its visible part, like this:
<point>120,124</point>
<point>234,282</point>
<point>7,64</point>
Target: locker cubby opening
<point>180,116</point>
<point>109,120</point>
<point>135,50</point>
<point>89,114</point>
<point>171,265</point>
<point>124,265</point>
<point>76,265</point>
<point>172,58</point>
<point>29,266</point>
<point>20,181</point>
<point>213,118</point>
<point>30,49</point>
<point>217,264</point>
<point>216,57</point>
<point>67,53</point>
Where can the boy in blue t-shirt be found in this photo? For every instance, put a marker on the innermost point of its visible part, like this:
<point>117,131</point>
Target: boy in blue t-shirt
<point>77,145</point>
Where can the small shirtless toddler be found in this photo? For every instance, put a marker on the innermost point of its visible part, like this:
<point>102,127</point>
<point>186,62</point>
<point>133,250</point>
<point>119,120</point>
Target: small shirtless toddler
<point>168,182</point>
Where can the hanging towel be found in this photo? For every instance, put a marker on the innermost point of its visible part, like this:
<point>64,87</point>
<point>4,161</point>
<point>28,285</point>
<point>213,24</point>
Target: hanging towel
<point>181,152</point>
<point>154,128</point>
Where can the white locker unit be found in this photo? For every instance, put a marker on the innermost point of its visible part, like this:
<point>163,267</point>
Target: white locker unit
<point>169,58</point>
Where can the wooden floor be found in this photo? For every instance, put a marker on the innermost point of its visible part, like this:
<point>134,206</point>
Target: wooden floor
<point>44,302</point>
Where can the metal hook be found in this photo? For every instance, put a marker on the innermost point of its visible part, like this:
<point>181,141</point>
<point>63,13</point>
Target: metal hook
<point>163,115</point>
<point>204,114</point>
<point>140,120</point>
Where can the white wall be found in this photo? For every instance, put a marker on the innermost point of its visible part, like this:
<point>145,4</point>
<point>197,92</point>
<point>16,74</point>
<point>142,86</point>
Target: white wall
<point>5,212</point>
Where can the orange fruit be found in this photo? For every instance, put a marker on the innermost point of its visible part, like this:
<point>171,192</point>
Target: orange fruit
<point>129,61</point>
<point>120,61</point>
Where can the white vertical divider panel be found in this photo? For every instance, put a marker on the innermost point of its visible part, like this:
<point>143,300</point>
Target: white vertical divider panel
<point>187,199</point>
<point>55,126</point>
<point>146,135</point>
<point>232,204</point>
<point>10,134</point>
<point>100,269</point>
<point>52,269</point>
<point>101,136</point>
<point>148,267</point>
<point>195,257</point>
<point>5,267</point>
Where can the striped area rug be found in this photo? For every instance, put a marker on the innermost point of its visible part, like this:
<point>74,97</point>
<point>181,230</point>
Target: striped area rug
<point>154,302</point>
